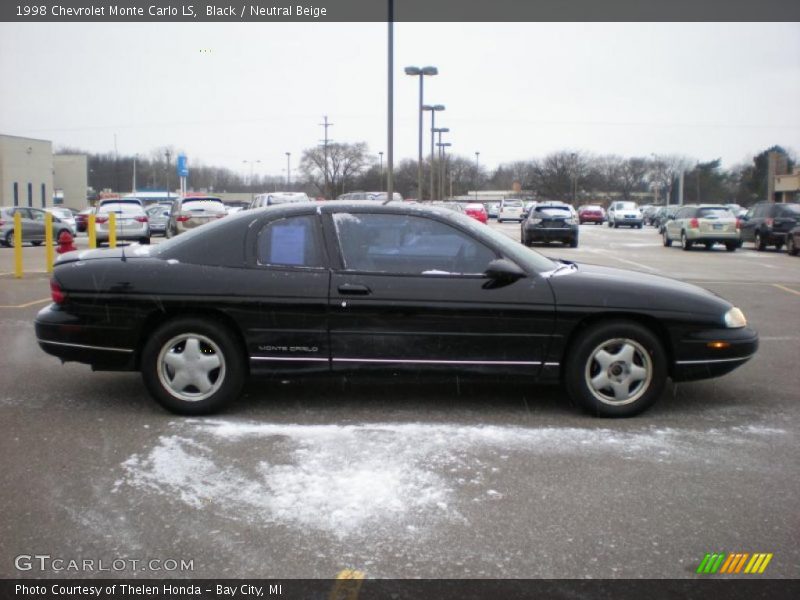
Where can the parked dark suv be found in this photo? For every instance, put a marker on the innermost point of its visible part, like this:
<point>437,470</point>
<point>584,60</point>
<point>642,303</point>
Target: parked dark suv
<point>767,223</point>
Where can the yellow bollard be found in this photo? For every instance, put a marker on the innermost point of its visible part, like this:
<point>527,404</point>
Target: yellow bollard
<point>18,244</point>
<point>112,230</point>
<point>91,231</point>
<point>49,254</point>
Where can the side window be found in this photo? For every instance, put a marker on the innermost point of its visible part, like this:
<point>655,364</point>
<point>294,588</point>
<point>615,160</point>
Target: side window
<point>759,211</point>
<point>37,215</point>
<point>290,242</point>
<point>408,245</point>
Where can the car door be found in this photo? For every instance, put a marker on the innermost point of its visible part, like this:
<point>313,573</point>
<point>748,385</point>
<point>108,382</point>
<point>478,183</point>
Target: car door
<point>673,226</point>
<point>286,327</point>
<point>409,293</point>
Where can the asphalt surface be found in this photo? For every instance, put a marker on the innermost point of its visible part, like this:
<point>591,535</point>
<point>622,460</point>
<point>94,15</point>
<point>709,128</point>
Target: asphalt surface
<point>408,479</point>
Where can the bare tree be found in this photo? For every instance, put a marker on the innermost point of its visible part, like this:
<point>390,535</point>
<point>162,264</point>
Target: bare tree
<point>345,163</point>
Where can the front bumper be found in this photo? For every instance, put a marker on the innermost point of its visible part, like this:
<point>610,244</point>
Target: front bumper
<point>696,359</point>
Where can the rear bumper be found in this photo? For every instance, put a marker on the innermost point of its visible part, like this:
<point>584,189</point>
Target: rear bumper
<point>66,337</point>
<point>551,233</point>
<point>695,359</point>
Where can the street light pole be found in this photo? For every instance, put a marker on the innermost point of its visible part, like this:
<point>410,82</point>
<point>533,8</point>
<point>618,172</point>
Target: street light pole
<point>250,179</point>
<point>440,131</point>
<point>574,177</point>
<point>442,164</point>
<point>477,174</point>
<point>288,170</point>
<point>390,107</point>
<point>381,170</point>
<point>433,109</point>
<point>421,72</point>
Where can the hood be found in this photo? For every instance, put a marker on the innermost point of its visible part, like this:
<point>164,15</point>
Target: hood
<point>593,285</point>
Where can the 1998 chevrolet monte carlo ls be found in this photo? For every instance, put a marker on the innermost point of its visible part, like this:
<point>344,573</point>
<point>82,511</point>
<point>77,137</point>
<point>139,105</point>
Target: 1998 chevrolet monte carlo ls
<point>366,288</point>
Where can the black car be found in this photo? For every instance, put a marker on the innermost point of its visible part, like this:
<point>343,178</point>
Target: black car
<point>550,222</point>
<point>352,288</point>
<point>767,223</point>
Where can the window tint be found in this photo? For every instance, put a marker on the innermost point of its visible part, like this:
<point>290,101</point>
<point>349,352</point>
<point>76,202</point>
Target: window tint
<point>625,206</point>
<point>126,208</point>
<point>411,245</point>
<point>555,211</point>
<point>203,204</point>
<point>290,242</point>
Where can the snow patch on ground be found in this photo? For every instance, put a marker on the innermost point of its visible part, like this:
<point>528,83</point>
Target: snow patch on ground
<point>344,478</point>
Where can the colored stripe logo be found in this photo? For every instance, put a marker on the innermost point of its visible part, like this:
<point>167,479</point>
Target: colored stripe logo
<point>734,563</point>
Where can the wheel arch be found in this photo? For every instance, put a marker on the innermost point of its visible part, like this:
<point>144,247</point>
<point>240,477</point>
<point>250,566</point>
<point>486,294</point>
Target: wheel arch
<point>651,323</point>
<point>157,318</point>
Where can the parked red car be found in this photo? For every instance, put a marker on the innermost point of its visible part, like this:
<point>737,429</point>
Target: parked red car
<point>591,213</point>
<point>82,219</point>
<point>477,211</point>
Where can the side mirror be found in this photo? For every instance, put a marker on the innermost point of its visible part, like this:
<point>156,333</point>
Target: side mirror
<point>502,269</point>
<point>744,218</point>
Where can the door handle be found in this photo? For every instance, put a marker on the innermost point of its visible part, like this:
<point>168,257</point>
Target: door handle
<point>354,289</point>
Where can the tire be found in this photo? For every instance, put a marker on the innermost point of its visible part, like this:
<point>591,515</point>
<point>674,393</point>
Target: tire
<point>709,245</point>
<point>639,226</point>
<point>616,369</point>
<point>758,242</point>
<point>10,239</point>
<point>616,225</point>
<point>144,240</point>
<point>686,243</point>
<point>731,246</point>
<point>791,249</point>
<point>224,374</point>
<point>667,241</point>
<point>778,246</point>
<point>36,243</point>
<point>573,243</point>
<point>610,224</point>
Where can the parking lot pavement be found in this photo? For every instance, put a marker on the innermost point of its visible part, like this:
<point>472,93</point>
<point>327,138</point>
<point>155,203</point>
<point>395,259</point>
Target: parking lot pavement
<point>413,479</point>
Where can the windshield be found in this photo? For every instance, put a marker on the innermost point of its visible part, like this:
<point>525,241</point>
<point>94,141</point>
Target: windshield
<point>626,205</point>
<point>555,211</point>
<point>203,204</point>
<point>120,207</point>
<point>512,204</point>
<point>714,212</point>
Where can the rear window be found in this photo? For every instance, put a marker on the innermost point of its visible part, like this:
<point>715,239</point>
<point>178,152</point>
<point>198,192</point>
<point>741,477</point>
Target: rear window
<point>788,210</point>
<point>592,207</point>
<point>203,204</point>
<point>714,212</point>
<point>625,205</point>
<point>121,207</point>
<point>555,211</point>
<point>512,204</point>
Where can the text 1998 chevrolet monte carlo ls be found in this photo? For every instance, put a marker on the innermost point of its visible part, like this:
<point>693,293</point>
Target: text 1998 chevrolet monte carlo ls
<point>344,288</point>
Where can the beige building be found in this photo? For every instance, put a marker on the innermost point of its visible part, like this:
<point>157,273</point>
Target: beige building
<point>788,185</point>
<point>70,179</point>
<point>26,171</point>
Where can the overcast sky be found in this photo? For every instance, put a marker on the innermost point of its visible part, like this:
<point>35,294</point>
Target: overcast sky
<point>225,93</point>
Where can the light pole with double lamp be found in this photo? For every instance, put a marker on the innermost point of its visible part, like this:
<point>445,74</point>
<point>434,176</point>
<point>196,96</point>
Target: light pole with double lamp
<point>421,72</point>
<point>252,164</point>
<point>433,108</point>
<point>442,167</point>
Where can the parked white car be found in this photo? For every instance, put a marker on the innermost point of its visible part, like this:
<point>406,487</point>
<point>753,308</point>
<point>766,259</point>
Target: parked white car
<point>511,210</point>
<point>624,212</point>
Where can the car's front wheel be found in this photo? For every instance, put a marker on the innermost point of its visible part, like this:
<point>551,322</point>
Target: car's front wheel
<point>686,243</point>
<point>192,366</point>
<point>759,242</point>
<point>667,241</point>
<point>616,369</point>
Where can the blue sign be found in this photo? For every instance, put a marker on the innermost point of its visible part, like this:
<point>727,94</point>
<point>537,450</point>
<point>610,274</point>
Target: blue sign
<point>183,166</point>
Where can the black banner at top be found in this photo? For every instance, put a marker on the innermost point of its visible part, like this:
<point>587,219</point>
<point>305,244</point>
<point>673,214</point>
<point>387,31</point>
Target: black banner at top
<point>404,10</point>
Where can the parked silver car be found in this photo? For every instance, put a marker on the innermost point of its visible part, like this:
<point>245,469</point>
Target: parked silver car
<point>158,215</point>
<point>706,224</point>
<point>33,225</point>
<point>132,222</point>
<point>194,211</point>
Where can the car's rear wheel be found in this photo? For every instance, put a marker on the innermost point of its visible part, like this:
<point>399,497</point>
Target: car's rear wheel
<point>192,366</point>
<point>616,369</point>
<point>731,246</point>
<point>791,247</point>
<point>667,241</point>
<point>709,245</point>
<point>610,224</point>
<point>759,242</point>
<point>10,238</point>
<point>686,243</point>
<point>144,240</point>
<point>36,242</point>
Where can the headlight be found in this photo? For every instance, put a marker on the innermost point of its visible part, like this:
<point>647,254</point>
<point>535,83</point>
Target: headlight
<point>535,221</point>
<point>735,318</point>
<point>572,221</point>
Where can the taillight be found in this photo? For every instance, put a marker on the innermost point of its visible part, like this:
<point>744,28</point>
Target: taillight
<point>694,223</point>
<point>101,220</point>
<point>738,223</point>
<point>769,222</point>
<point>182,219</point>
<point>56,292</point>
<point>141,219</point>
